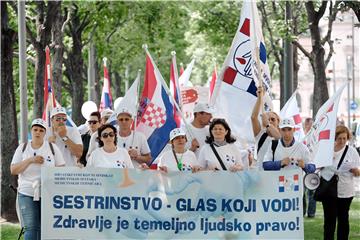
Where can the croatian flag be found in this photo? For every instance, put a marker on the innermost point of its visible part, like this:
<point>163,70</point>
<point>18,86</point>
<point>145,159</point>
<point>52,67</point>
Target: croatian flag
<point>49,97</point>
<point>320,139</point>
<point>234,94</point>
<point>106,98</point>
<point>156,115</point>
<point>175,87</point>
<point>291,110</point>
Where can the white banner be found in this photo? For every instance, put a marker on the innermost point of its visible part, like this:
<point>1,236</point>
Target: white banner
<point>117,203</point>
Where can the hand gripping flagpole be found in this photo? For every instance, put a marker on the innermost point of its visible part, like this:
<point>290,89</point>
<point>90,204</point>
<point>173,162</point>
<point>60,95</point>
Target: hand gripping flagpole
<point>167,90</point>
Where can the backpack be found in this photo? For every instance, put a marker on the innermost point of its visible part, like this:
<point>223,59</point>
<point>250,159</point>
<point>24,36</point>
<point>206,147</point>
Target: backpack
<point>51,148</point>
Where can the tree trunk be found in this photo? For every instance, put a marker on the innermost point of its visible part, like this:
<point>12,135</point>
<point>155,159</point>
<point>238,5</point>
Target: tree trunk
<point>57,59</point>
<point>44,22</point>
<point>282,83</point>
<point>317,56</point>
<point>8,117</point>
<point>98,85</point>
<point>117,84</point>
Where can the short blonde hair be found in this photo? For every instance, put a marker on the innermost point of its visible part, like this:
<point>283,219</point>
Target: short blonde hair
<point>342,129</point>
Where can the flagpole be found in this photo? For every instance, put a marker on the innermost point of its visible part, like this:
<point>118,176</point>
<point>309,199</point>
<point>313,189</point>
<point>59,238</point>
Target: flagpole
<point>174,65</point>
<point>137,104</point>
<point>167,90</point>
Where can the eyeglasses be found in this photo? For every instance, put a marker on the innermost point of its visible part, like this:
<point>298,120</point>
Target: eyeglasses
<point>93,122</point>
<point>123,119</point>
<point>61,119</point>
<point>105,135</point>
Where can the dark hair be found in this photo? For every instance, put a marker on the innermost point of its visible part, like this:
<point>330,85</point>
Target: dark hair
<point>96,114</point>
<point>221,121</point>
<point>101,129</point>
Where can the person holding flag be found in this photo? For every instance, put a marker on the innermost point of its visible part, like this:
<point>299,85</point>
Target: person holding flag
<point>346,165</point>
<point>178,158</point>
<point>286,152</point>
<point>134,142</point>
<point>199,127</point>
<point>67,139</point>
<point>265,131</point>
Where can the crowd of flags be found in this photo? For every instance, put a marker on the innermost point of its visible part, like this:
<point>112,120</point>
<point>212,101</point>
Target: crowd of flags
<point>158,110</point>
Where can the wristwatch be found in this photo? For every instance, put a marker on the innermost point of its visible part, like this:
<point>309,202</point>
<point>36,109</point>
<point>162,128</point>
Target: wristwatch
<point>65,138</point>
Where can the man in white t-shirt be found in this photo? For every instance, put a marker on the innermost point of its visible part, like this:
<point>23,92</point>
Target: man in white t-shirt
<point>199,127</point>
<point>67,139</point>
<point>286,152</point>
<point>134,142</point>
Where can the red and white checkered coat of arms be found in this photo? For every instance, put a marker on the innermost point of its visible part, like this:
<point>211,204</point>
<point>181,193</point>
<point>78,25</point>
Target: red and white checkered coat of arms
<point>154,116</point>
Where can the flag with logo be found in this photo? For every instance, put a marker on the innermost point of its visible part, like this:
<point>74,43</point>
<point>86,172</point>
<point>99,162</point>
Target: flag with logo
<point>234,94</point>
<point>291,110</point>
<point>106,97</point>
<point>175,87</point>
<point>320,139</point>
<point>155,114</point>
<point>49,97</point>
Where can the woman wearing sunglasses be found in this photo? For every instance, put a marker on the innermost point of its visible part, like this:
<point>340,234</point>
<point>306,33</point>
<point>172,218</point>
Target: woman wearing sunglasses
<point>109,155</point>
<point>27,162</point>
<point>178,158</point>
<point>220,152</point>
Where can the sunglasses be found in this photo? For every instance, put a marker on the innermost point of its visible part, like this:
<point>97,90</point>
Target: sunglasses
<point>105,135</point>
<point>124,119</point>
<point>93,122</point>
<point>61,119</point>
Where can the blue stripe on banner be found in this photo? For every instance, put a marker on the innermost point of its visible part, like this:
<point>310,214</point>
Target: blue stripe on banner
<point>296,188</point>
<point>160,137</point>
<point>281,189</point>
<point>252,88</point>
<point>262,53</point>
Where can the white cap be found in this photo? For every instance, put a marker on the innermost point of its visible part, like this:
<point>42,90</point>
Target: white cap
<point>57,110</point>
<point>203,107</point>
<point>39,122</point>
<point>124,110</point>
<point>287,123</point>
<point>176,132</point>
<point>106,113</point>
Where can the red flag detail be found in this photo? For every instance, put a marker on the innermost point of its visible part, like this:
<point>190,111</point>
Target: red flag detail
<point>330,108</point>
<point>297,119</point>
<point>245,28</point>
<point>324,135</point>
<point>213,80</point>
<point>229,75</point>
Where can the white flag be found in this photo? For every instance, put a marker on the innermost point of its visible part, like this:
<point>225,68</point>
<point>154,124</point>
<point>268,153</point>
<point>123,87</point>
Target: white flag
<point>129,101</point>
<point>235,91</point>
<point>291,110</point>
<point>320,139</point>
<point>184,79</point>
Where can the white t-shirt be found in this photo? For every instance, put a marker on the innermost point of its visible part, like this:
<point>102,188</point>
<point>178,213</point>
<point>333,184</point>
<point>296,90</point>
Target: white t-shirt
<point>200,134</point>
<point>188,160</point>
<point>33,172</point>
<point>345,187</point>
<point>229,154</point>
<point>259,156</point>
<point>297,151</point>
<point>74,135</point>
<point>118,159</point>
<point>137,141</point>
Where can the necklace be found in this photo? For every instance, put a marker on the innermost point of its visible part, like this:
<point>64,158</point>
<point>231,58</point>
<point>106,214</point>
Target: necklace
<point>179,162</point>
